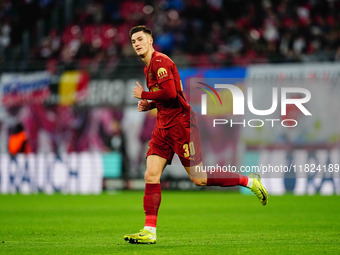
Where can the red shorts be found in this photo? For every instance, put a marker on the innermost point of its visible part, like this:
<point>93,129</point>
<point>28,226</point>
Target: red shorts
<point>182,139</point>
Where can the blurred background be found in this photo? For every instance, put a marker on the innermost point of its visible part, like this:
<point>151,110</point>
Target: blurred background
<point>69,123</point>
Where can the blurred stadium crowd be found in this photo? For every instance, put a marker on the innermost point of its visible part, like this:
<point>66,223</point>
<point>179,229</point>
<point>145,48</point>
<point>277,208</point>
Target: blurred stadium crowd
<point>85,47</point>
<point>93,34</point>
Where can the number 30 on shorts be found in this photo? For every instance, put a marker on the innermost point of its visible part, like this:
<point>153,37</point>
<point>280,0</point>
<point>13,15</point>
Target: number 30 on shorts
<point>189,149</point>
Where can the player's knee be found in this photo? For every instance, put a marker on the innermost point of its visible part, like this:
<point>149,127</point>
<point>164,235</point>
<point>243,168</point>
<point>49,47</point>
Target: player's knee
<point>199,181</point>
<point>151,177</point>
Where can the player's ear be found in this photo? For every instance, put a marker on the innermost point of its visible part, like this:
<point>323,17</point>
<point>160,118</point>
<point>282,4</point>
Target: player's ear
<point>151,40</point>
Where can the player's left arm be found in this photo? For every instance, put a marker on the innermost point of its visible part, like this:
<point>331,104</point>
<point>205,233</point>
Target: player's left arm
<point>166,82</point>
<point>145,105</point>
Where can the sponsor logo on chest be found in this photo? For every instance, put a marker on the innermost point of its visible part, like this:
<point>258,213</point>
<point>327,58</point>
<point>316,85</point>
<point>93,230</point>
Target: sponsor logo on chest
<point>154,88</point>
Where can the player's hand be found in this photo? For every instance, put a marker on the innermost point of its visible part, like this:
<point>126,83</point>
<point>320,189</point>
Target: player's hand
<point>143,105</point>
<point>137,91</point>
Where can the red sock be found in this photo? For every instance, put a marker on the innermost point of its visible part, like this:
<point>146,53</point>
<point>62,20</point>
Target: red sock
<point>226,179</point>
<point>152,200</point>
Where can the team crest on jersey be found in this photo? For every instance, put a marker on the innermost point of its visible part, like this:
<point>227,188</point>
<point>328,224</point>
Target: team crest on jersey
<point>151,77</point>
<point>162,73</point>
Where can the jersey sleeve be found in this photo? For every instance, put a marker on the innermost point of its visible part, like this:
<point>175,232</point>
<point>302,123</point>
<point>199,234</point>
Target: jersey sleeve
<point>162,69</point>
<point>166,92</point>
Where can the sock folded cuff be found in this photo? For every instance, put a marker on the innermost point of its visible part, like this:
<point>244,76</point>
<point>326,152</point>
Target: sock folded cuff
<point>151,221</point>
<point>151,188</point>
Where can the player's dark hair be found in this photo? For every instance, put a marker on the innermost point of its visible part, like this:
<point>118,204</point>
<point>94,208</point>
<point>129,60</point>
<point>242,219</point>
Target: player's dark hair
<point>140,28</point>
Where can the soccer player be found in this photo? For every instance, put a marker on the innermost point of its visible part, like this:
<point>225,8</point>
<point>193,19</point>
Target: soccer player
<point>175,131</point>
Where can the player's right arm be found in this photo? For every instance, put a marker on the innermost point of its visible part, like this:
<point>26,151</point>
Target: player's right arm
<point>162,69</point>
<point>167,92</point>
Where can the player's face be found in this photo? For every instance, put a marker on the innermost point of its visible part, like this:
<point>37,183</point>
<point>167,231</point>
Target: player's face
<point>141,43</point>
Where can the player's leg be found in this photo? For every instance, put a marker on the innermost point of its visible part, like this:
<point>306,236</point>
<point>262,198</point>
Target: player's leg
<point>227,179</point>
<point>201,177</point>
<point>189,152</point>
<point>151,201</point>
<point>188,148</point>
<point>158,155</point>
<point>154,168</point>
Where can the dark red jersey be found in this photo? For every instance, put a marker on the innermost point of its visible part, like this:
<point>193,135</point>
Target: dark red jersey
<point>166,90</point>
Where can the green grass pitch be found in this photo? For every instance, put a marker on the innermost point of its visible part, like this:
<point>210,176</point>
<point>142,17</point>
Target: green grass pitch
<point>195,222</point>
